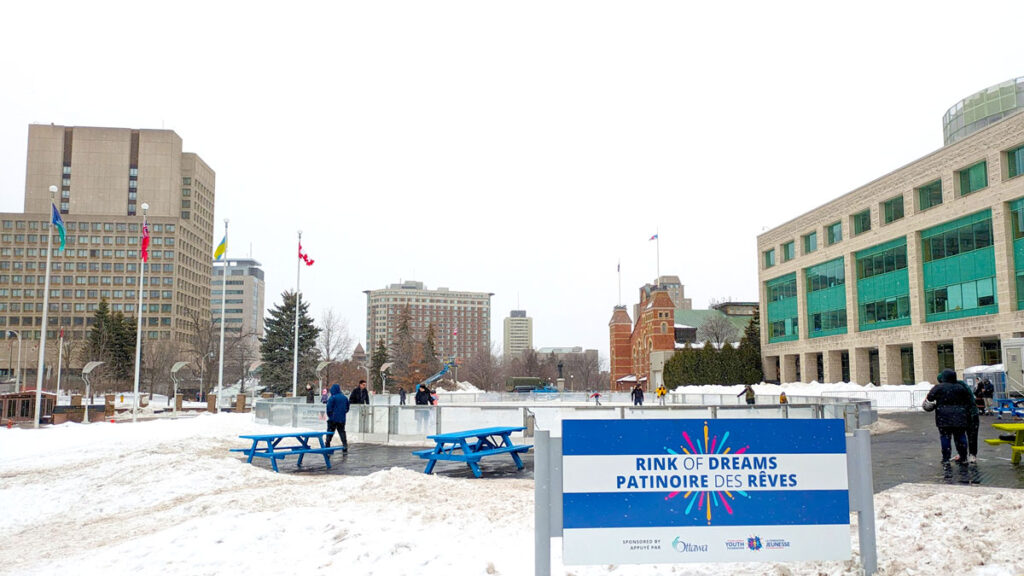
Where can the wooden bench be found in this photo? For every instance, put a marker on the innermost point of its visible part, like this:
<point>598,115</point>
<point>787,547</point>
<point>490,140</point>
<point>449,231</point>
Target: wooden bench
<point>470,446</point>
<point>273,451</point>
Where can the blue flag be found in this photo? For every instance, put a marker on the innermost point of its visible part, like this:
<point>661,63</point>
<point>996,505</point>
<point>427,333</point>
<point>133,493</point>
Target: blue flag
<point>57,221</point>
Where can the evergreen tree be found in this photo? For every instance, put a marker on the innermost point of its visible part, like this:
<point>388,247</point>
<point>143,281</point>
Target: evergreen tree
<point>378,359</point>
<point>430,358</point>
<point>749,352</point>
<point>276,347</point>
<point>111,340</point>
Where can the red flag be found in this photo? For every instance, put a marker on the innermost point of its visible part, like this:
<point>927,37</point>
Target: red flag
<point>145,241</point>
<point>304,257</point>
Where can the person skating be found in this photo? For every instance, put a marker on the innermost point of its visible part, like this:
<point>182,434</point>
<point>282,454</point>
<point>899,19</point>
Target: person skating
<point>637,395</point>
<point>660,393</point>
<point>748,392</point>
<point>359,395</point>
<point>424,396</point>
<point>337,409</point>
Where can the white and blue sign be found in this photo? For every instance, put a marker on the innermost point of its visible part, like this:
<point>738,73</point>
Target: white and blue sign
<point>665,491</point>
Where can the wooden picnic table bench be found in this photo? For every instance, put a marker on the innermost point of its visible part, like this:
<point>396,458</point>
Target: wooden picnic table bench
<point>1016,445</point>
<point>470,446</point>
<point>274,451</point>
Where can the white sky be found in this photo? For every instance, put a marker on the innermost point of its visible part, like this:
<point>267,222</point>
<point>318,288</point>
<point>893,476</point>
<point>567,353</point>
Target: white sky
<point>515,148</point>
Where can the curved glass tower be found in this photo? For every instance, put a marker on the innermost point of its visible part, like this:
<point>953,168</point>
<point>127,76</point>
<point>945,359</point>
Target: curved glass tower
<point>982,109</point>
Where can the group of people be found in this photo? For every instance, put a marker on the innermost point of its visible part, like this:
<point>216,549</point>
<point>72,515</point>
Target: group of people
<point>338,406</point>
<point>957,415</point>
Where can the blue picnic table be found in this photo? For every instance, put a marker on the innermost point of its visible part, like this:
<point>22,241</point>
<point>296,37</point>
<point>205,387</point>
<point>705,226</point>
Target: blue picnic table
<point>470,446</point>
<point>273,449</point>
<point>1013,406</point>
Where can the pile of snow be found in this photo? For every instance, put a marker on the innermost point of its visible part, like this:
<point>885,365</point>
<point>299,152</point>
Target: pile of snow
<point>465,388</point>
<point>167,495</point>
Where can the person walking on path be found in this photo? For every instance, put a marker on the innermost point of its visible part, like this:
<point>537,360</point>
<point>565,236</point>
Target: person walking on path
<point>973,422</point>
<point>638,395</point>
<point>950,401</point>
<point>985,391</point>
<point>337,408</point>
<point>423,396</point>
<point>310,394</point>
<point>401,396</point>
<point>660,393</point>
<point>749,392</point>
<point>360,395</point>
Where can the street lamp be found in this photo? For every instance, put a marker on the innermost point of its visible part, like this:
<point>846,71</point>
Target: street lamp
<point>17,378</point>
<point>202,371</point>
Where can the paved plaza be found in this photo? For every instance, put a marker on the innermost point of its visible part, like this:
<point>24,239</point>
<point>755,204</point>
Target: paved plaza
<point>909,453</point>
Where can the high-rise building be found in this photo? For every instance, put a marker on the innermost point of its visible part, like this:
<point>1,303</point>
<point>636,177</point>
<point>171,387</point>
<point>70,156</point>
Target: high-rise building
<point>919,270</point>
<point>103,176</point>
<point>461,320</point>
<point>518,333</point>
<point>242,297</point>
<point>670,284</point>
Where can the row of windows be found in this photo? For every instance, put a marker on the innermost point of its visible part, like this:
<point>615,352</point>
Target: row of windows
<point>783,328</point>
<point>827,320</point>
<point>965,296</point>
<point>826,275</point>
<point>72,240</point>
<point>86,226</point>
<point>886,310</point>
<point>968,180</point>
<point>882,263</point>
<point>957,241</point>
<point>782,290</point>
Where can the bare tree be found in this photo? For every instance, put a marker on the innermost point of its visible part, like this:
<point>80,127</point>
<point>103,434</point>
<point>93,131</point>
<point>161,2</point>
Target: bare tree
<point>718,330</point>
<point>484,370</point>
<point>334,342</point>
<point>158,357</point>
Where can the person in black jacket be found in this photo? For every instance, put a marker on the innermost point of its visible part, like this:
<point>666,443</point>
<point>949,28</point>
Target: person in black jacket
<point>638,395</point>
<point>952,417</point>
<point>423,396</point>
<point>337,408</point>
<point>359,395</point>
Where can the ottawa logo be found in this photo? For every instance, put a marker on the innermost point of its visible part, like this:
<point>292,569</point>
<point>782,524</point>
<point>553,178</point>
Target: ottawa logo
<point>754,542</point>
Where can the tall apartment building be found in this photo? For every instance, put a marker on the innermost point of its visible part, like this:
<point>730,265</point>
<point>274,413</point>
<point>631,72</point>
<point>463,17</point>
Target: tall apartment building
<point>104,175</point>
<point>242,297</point>
<point>919,270</point>
<point>518,334</point>
<point>461,320</point>
<point>670,284</point>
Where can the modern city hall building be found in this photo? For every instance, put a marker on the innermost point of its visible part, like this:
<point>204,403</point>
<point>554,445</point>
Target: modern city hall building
<point>917,271</point>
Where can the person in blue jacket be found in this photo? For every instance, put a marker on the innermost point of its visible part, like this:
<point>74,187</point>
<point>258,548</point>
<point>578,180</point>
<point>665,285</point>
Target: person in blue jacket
<point>337,408</point>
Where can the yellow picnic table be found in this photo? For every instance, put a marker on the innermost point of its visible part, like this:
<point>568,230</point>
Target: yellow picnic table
<point>1017,444</point>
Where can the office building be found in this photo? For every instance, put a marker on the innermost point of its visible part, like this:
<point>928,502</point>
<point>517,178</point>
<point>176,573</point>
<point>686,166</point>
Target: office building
<point>461,320</point>
<point>518,334</point>
<point>919,270</point>
<point>243,301</point>
<point>104,175</point>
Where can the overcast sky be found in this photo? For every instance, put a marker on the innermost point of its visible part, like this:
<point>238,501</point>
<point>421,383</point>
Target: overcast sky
<point>520,148</point>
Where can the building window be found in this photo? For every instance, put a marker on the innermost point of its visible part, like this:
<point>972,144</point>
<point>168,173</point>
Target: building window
<point>827,275</point>
<point>769,258</point>
<point>1015,162</point>
<point>67,170</point>
<point>134,172</point>
<point>834,233</point>
<point>960,240</point>
<point>132,184</point>
<point>929,195</point>
<point>810,242</point>
<point>973,179</point>
<point>890,260</point>
<point>788,251</point>
<point>861,222</point>
<point>892,209</point>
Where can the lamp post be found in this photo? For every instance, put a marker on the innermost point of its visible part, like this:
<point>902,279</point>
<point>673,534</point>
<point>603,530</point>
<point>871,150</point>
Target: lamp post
<point>17,377</point>
<point>202,371</point>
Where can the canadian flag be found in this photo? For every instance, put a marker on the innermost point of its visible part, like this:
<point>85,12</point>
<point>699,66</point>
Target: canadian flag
<point>304,257</point>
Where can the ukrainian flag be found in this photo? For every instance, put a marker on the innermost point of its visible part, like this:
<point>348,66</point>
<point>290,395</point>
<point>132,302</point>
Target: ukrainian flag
<point>222,249</point>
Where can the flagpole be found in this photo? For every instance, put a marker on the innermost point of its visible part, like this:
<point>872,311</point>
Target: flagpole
<point>657,248</point>
<point>143,256</point>
<point>60,362</point>
<point>295,352</point>
<point>46,310</point>
<point>223,320</point>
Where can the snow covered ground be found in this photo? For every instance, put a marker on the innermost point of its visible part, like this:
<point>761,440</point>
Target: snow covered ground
<point>165,496</point>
